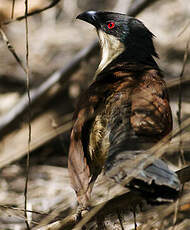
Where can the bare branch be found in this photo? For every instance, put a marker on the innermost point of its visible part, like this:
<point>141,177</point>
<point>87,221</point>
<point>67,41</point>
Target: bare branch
<point>22,210</point>
<point>52,4</point>
<point>36,93</point>
<point>12,50</point>
<point>179,116</point>
<point>29,118</point>
<point>138,6</point>
<point>12,10</point>
<point>179,113</point>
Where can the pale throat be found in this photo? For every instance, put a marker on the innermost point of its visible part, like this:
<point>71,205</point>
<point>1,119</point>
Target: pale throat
<point>111,48</point>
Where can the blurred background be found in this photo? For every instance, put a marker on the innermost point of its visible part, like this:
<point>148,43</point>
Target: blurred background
<point>56,40</point>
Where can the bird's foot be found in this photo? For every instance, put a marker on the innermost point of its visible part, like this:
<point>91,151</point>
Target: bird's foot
<point>80,212</point>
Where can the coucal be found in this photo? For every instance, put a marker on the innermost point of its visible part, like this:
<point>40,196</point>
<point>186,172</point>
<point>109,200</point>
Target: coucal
<point>123,113</point>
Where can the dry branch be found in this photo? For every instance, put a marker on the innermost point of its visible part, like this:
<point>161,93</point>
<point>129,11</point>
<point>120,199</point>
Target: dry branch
<point>12,50</point>
<point>179,113</point>
<point>52,4</point>
<point>16,144</point>
<point>62,75</point>
<point>138,6</point>
<point>29,120</point>
<point>12,10</point>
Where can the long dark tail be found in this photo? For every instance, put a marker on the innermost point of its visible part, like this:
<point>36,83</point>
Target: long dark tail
<point>156,181</point>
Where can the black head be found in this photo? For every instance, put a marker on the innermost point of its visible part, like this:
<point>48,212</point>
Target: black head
<point>129,31</point>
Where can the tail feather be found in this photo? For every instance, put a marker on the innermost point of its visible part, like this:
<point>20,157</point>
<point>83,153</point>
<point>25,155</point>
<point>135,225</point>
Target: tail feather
<point>156,181</point>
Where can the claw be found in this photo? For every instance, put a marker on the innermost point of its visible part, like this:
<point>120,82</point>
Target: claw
<point>80,212</point>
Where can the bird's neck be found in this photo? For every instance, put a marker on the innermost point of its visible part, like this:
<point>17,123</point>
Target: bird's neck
<point>111,48</point>
<point>114,51</point>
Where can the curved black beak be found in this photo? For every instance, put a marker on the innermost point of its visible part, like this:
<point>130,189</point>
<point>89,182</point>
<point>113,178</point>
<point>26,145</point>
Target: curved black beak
<point>89,16</point>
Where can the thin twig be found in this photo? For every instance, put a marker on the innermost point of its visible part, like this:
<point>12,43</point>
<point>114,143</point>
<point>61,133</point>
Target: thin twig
<point>29,124</point>
<point>138,6</point>
<point>179,116</point>
<point>184,29</point>
<point>179,113</point>
<point>22,210</point>
<point>12,50</point>
<point>52,4</point>
<point>175,213</point>
<point>12,10</point>
<point>134,217</point>
<point>120,220</point>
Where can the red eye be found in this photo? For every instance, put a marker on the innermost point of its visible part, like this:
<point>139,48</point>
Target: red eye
<point>111,25</point>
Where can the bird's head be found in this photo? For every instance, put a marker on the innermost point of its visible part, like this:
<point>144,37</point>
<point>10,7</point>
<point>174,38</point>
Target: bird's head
<point>121,36</point>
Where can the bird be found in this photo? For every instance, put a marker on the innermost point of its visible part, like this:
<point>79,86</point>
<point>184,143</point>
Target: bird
<point>123,113</point>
